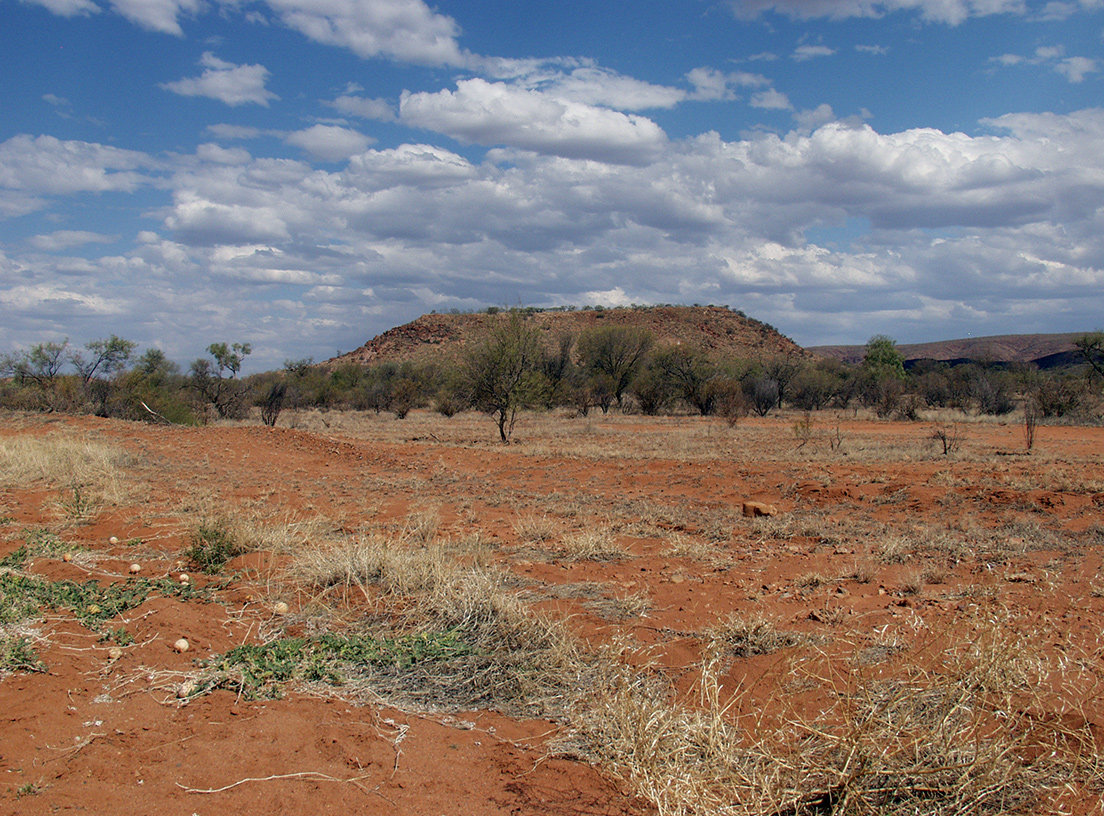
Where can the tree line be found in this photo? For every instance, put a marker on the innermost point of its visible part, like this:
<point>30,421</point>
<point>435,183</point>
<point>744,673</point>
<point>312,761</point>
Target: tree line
<point>515,367</point>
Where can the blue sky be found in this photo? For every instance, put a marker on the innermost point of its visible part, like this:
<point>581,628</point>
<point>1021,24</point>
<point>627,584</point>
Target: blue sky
<point>305,174</point>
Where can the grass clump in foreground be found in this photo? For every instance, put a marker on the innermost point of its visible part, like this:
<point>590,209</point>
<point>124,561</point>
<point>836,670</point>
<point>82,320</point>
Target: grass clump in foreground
<point>502,655</point>
<point>966,729</point>
<point>971,735</point>
<point>748,635</point>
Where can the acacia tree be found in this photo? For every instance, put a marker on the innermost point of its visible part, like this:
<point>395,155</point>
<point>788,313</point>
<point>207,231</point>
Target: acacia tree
<point>503,372</point>
<point>883,369</point>
<point>40,366</point>
<point>108,358</point>
<point>218,384</point>
<point>615,353</point>
<point>691,375</point>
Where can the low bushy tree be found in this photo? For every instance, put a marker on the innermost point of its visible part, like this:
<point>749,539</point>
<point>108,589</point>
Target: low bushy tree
<point>614,355</point>
<point>690,374</point>
<point>503,372</point>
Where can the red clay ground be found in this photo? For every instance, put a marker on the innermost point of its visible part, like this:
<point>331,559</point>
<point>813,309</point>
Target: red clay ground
<point>879,539</point>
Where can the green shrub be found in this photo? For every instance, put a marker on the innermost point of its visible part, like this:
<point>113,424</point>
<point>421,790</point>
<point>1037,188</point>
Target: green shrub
<point>213,544</point>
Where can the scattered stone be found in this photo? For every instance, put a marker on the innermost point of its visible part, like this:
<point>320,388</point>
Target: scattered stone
<point>753,509</point>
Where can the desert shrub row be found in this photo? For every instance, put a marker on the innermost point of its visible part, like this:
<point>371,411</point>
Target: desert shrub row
<point>611,368</point>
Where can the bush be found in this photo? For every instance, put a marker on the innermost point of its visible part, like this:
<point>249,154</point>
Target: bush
<point>213,545</point>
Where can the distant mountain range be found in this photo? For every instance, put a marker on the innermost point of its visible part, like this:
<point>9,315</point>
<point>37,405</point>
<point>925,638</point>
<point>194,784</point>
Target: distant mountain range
<point>715,329</point>
<point>1044,350</point>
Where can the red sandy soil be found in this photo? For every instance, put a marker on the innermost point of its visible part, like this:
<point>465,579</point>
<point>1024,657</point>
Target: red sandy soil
<point>98,734</point>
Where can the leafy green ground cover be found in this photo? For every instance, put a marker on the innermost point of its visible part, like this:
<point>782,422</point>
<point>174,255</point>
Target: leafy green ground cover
<point>260,671</point>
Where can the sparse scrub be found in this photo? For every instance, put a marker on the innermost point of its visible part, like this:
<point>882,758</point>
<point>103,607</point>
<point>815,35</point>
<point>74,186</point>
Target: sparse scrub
<point>421,526</point>
<point>949,437</point>
<point>261,671</point>
<point>682,546</point>
<point>804,430</point>
<point>895,550</point>
<point>912,583</point>
<point>933,742</point>
<point>38,542</point>
<point>811,580</point>
<point>1031,414</point>
<point>862,572</point>
<point>933,575</point>
<point>621,607</point>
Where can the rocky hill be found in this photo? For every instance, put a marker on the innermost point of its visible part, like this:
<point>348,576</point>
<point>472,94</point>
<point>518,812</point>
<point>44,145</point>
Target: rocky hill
<point>1045,350</point>
<point>443,337</point>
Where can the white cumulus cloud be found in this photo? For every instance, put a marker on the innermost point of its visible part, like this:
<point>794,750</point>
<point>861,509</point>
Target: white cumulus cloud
<point>407,30</point>
<point>157,15</point>
<point>233,84</point>
<point>1076,68</point>
<point>329,142</point>
<point>803,53</point>
<point>771,100</point>
<point>366,108</point>
<point>47,165</point>
<point>952,12</point>
<point>488,113</point>
<point>68,8</point>
<point>67,239</point>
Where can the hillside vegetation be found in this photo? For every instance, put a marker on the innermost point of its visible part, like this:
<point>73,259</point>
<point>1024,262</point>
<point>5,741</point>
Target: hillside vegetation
<point>441,338</point>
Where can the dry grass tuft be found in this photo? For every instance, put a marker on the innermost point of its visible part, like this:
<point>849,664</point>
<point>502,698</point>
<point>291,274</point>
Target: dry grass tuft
<point>59,459</point>
<point>536,529</point>
<point>87,474</point>
<point>591,545</point>
<point>682,546</point>
<point>747,635</point>
<point>422,526</point>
